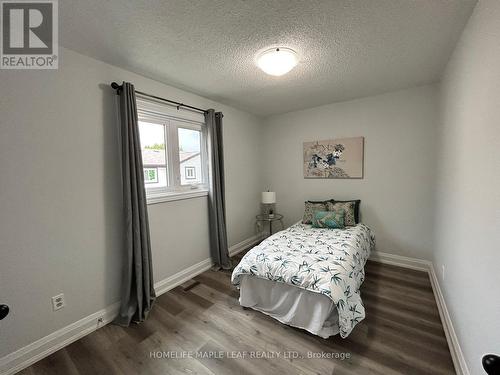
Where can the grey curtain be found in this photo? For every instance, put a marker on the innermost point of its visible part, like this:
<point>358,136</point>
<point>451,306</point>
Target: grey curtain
<point>138,295</point>
<point>216,196</point>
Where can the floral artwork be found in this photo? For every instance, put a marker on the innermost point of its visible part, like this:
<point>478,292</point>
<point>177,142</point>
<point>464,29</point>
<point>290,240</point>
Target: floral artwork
<point>337,158</point>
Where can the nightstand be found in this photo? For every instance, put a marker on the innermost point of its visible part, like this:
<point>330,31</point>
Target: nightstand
<point>259,219</point>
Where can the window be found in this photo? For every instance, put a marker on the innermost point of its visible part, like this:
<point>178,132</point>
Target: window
<point>154,157</point>
<point>173,152</point>
<point>150,175</point>
<point>190,173</point>
<point>190,155</point>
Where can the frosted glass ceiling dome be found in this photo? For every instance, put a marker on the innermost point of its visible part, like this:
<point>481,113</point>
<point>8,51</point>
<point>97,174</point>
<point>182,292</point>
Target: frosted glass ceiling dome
<point>277,61</point>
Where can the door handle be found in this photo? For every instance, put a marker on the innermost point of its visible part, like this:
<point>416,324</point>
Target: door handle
<point>491,364</point>
<point>4,311</point>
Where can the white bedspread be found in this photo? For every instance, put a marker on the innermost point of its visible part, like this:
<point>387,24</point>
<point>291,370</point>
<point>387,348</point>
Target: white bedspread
<point>325,261</point>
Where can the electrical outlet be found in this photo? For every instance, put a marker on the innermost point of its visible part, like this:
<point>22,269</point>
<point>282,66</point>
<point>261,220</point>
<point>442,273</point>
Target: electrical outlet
<point>58,302</point>
<point>442,271</point>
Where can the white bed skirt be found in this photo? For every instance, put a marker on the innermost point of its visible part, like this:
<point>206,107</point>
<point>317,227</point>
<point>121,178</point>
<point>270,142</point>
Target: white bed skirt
<point>290,305</point>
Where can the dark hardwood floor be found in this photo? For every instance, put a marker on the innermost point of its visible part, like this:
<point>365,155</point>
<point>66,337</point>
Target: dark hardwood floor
<point>202,320</point>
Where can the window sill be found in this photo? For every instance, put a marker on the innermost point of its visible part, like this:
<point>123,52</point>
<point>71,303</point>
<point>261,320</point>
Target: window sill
<point>176,196</point>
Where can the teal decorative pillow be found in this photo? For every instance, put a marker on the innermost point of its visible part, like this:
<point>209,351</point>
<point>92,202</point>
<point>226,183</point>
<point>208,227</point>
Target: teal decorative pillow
<point>329,219</point>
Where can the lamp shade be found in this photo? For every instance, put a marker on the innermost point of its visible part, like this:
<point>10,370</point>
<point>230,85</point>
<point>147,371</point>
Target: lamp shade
<point>268,197</point>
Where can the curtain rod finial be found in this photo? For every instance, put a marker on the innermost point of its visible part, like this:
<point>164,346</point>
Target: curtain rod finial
<point>115,85</point>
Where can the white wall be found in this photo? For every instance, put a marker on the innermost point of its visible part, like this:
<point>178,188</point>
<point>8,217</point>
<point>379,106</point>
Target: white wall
<point>396,192</point>
<point>60,200</point>
<point>468,186</point>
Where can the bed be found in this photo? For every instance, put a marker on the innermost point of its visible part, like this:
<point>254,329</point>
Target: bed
<point>308,277</point>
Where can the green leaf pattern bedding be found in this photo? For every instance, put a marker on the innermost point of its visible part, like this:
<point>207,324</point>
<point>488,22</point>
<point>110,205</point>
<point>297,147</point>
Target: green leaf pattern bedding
<point>321,260</point>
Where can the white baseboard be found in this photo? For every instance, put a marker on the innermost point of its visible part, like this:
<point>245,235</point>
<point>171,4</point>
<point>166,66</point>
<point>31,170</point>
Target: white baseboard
<point>245,244</point>
<point>426,266</point>
<point>26,356</point>
<point>451,336</point>
<point>401,261</point>
<point>171,282</point>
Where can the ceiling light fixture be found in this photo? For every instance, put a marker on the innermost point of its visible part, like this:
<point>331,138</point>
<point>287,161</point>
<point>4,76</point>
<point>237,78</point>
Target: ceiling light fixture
<point>277,61</point>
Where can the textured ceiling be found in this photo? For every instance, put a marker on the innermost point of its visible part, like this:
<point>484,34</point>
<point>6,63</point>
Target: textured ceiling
<point>347,49</point>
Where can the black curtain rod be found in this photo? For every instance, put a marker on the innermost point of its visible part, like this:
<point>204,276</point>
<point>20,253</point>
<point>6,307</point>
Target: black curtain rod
<point>118,87</point>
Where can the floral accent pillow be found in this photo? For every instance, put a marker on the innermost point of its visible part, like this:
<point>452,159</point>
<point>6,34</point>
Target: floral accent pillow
<point>357,203</point>
<point>329,219</point>
<point>348,207</point>
<point>310,209</point>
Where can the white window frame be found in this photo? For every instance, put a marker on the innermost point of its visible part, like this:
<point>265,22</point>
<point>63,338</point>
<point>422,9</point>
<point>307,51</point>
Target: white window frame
<point>172,119</point>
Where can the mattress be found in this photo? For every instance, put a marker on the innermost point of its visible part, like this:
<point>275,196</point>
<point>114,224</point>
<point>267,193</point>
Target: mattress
<point>290,305</point>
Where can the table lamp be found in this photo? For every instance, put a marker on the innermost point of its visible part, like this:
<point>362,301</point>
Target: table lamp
<point>268,200</point>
